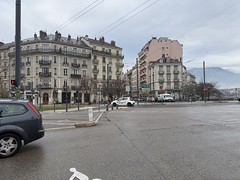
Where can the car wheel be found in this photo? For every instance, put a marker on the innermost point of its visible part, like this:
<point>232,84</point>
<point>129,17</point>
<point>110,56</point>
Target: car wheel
<point>10,144</point>
<point>129,104</point>
<point>114,104</point>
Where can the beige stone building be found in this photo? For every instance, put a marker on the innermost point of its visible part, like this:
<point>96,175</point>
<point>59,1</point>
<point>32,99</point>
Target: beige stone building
<point>56,68</point>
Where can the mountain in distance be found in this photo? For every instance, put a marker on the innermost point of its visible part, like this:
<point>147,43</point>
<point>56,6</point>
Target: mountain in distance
<point>225,79</point>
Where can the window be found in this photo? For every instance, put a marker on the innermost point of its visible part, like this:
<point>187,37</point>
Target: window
<point>104,77</point>
<point>11,109</point>
<point>168,68</point>
<point>45,70</point>
<point>45,58</point>
<point>36,59</point>
<point>84,62</point>
<point>168,85</point>
<point>45,47</point>
<point>95,67</point>
<point>104,68</point>
<point>84,73</point>
<point>5,75</point>
<point>74,71</point>
<point>55,71</point>
<point>95,77</point>
<point>65,60</point>
<point>75,61</point>
<point>168,77</point>
<point>55,59</point>
<point>109,69</point>
<point>36,70</point>
<point>103,60</point>
<point>28,71</point>
<point>109,77</point>
<point>65,72</point>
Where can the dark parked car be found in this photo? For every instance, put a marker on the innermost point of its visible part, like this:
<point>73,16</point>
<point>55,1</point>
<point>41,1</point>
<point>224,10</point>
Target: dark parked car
<point>20,122</point>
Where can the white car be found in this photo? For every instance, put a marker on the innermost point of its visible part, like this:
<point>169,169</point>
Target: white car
<point>123,101</point>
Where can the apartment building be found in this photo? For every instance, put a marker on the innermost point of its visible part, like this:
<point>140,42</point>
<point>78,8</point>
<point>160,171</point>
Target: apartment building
<point>153,51</point>
<point>166,76</point>
<point>56,69</point>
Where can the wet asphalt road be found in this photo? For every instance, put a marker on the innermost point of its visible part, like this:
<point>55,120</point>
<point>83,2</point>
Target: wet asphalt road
<point>164,141</point>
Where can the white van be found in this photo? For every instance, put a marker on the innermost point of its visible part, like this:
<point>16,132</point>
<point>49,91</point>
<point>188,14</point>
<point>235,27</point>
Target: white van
<point>165,98</point>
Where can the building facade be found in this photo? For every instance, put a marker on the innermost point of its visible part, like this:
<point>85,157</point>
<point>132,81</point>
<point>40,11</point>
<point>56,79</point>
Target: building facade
<point>166,76</point>
<point>154,50</point>
<point>56,69</point>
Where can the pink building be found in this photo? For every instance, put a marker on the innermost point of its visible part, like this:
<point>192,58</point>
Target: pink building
<point>153,51</point>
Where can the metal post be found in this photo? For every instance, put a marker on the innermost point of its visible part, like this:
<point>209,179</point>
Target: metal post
<point>204,83</point>
<point>18,44</point>
<point>137,83</point>
<point>54,94</point>
<point>78,99</point>
<point>66,98</point>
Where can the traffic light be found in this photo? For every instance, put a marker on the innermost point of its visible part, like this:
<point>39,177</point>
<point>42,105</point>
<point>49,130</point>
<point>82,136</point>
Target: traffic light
<point>13,82</point>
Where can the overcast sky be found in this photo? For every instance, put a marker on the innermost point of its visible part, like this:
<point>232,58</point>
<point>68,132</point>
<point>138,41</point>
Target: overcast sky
<point>209,30</point>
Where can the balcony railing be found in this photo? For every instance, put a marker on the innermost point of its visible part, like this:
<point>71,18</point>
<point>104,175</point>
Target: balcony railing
<point>84,66</point>
<point>45,74</point>
<point>95,61</point>
<point>65,64</point>
<point>161,80</point>
<point>75,65</point>
<point>45,62</point>
<point>118,64</point>
<point>176,71</point>
<point>160,72</point>
<point>75,75</point>
<point>118,73</point>
<point>52,50</point>
<point>95,70</point>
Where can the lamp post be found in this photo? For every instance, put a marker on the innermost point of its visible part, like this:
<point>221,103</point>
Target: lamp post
<point>65,89</point>
<point>78,98</point>
<point>54,95</point>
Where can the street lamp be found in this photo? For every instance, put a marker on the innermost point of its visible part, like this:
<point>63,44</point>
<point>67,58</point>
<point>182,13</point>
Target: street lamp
<point>65,88</point>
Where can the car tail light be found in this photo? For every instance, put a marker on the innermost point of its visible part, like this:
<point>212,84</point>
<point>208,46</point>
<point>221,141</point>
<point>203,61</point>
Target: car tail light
<point>34,110</point>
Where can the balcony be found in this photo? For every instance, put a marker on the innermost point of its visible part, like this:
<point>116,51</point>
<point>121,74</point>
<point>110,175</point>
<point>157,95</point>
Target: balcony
<point>65,64</point>
<point>75,65</point>
<point>76,76</point>
<point>84,66</point>
<point>52,50</point>
<point>95,71</point>
<point>161,80</point>
<point>95,61</point>
<point>161,72</point>
<point>45,74</point>
<point>45,62</point>
<point>46,86</point>
<point>176,71</point>
<point>118,64</point>
<point>175,79</point>
<point>118,73</point>
<point>28,63</point>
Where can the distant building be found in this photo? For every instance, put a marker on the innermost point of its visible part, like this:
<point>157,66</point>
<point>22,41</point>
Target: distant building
<point>153,51</point>
<point>59,69</point>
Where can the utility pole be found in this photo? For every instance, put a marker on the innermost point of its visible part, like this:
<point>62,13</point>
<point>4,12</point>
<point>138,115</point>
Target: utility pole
<point>18,44</point>
<point>137,82</point>
<point>204,83</point>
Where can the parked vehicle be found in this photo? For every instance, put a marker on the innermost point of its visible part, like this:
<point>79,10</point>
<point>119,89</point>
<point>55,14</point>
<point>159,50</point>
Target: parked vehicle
<point>123,101</point>
<point>165,98</point>
<point>19,122</point>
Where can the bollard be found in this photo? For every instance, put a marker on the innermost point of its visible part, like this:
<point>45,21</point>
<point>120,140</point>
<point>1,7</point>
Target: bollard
<point>90,114</point>
<point>106,107</point>
<point>112,107</point>
<point>116,106</point>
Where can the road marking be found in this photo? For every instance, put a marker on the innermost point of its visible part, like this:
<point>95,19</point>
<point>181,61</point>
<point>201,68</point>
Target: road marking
<point>79,175</point>
<point>67,127</point>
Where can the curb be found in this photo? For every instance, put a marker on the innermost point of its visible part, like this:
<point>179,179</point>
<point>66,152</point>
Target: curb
<point>89,123</point>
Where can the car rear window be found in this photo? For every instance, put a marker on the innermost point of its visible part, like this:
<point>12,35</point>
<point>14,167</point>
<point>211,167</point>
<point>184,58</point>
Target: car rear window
<point>12,109</point>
